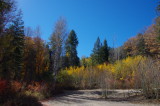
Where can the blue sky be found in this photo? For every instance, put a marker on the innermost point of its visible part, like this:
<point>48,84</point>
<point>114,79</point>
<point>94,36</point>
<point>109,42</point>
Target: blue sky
<point>115,20</point>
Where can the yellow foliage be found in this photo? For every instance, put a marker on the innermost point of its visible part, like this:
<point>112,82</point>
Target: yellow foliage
<point>123,70</point>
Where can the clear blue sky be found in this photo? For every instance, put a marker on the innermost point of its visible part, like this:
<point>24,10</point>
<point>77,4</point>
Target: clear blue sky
<point>110,19</point>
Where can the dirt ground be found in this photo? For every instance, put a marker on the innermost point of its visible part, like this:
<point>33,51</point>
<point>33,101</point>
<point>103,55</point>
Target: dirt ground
<point>94,98</point>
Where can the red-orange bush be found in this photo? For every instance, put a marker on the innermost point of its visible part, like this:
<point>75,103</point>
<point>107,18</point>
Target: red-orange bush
<point>16,86</point>
<point>34,86</point>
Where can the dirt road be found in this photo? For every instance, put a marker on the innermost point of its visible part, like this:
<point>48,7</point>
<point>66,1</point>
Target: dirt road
<point>92,98</point>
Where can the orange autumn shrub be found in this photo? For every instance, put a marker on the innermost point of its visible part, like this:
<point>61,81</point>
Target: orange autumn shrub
<point>34,86</point>
<point>16,86</point>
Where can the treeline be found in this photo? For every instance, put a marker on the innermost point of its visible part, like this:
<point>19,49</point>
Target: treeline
<point>24,56</point>
<point>145,44</point>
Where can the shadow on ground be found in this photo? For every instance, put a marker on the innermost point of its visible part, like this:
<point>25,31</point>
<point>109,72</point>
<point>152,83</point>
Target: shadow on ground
<point>80,96</point>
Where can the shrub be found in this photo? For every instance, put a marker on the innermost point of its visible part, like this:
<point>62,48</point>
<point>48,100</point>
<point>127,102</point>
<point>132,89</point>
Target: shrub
<point>34,86</point>
<point>133,72</point>
<point>16,86</point>
<point>65,80</point>
<point>149,77</point>
<point>125,71</point>
<point>35,94</point>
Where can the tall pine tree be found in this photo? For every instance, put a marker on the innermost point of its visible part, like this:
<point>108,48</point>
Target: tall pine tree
<point>71,49</point>
<point>141,45</point>
<point>104,52</point>
<point>18,42</point>
<point>100,52</point>
<point>96,59</point>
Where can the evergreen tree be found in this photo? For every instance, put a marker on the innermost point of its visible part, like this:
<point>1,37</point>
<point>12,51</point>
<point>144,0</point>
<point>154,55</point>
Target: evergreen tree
<point>96,59</point>
<point>71,49</point>
<point>97,45</point>
<point>141,45</point>
<point>18,42</point>
<point>100,53</point>
<point>104,52</point>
